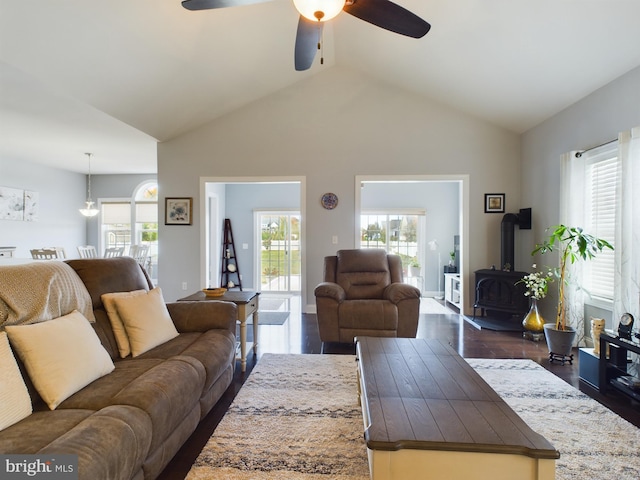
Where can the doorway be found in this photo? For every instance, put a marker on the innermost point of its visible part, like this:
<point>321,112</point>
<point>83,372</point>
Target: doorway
<point>443,200</point>
<point>278,255</point>
<point>241,199</point>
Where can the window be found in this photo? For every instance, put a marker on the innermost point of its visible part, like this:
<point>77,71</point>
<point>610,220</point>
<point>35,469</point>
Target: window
<point>146,218</point>
<point>397,233</point>
<point>127,222</point>
<point>601,173</point>
<point>116,224</point>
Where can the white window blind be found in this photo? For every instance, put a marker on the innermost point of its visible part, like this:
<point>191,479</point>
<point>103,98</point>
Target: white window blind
<point>147,212</point>
<point>601,176</point>
<point>116,213</point>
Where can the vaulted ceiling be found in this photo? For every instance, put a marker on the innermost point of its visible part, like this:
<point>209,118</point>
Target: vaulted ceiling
<point>116,76</point>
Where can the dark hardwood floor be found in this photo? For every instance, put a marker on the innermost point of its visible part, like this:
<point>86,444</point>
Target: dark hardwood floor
<point>300,335</point>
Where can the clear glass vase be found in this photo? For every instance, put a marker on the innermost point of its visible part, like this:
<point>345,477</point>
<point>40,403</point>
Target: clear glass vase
<point>533,321</point>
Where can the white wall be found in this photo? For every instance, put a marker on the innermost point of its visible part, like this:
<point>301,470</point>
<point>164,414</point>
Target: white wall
<point>330,128</point>
<point>596,119</point>
<point>61,194</point>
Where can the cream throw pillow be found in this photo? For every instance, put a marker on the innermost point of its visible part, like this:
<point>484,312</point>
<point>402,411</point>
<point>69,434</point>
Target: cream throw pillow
<point>61,356</point>
<point>109,301</point>
<point>15,403</point>
<point>146,320</point>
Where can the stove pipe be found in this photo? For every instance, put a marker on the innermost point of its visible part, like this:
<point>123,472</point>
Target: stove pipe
<point>507,241</point>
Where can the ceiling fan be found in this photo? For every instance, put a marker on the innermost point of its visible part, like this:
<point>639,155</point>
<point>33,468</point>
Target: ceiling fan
<point>313,13</point>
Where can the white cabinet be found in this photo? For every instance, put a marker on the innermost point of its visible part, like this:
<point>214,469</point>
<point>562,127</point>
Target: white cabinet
<point>452,289</point>
<point>7,251</point>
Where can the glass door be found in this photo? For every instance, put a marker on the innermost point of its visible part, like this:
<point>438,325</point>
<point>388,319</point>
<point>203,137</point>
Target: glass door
<point>279,258</point>
<point>399,233</point>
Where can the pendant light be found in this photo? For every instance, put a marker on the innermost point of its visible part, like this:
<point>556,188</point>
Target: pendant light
<point>89,210</point>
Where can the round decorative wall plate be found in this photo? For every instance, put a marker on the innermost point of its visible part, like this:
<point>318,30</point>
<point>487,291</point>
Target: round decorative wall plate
<point>329,201</point>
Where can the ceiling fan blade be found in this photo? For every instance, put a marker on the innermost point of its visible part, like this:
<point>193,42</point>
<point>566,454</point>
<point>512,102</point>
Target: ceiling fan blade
<point>388,15</point>
<point>209,4</point>
<point>307,38</point>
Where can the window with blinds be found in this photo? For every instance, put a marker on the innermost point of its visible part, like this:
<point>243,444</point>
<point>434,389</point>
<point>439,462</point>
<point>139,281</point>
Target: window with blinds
<point>601,176</point>
<point>116,224</point>
<point>127,222</point>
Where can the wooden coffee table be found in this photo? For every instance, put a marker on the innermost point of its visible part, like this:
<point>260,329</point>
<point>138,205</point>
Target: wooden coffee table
<point>247,303</point>
<point>428,414</point>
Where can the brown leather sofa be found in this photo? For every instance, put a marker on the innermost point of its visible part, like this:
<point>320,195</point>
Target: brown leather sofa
<point>363,294</point>
<point>130,423</point>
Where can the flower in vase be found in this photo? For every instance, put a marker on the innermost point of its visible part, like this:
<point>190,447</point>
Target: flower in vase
<point>537,283</point>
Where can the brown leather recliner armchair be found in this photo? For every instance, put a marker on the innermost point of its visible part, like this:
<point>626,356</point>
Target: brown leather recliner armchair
<point>363,294</point>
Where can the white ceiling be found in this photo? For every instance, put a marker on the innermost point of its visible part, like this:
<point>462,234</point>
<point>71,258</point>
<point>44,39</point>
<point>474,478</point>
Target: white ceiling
<point>113,77</point>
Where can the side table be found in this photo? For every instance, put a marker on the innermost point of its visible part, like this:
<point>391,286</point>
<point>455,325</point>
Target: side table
<point>247,303</point>
<point>613,370</point>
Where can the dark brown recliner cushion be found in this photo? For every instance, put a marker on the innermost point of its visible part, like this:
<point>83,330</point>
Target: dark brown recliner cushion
<point>363,273</point>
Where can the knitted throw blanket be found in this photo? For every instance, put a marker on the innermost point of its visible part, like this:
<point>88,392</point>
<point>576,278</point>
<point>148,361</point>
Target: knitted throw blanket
<point>40,291</point>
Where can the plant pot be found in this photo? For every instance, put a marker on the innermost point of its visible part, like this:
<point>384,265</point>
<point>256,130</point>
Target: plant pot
<point>560,342</point>
<point>414,271</point>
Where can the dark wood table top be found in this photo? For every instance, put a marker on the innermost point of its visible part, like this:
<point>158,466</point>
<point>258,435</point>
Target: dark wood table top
<point>235,296</point>
<point>421,394</point>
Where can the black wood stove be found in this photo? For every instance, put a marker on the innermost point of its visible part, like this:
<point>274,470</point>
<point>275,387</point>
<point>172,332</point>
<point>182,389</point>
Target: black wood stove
<point>498,291</point>
<point>499,295</point>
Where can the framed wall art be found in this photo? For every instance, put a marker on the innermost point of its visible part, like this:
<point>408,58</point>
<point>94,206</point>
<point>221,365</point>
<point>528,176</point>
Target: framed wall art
<point>18,204</point>
<point>178,211</point>
<point>494,203</point>
<point>11,203</point>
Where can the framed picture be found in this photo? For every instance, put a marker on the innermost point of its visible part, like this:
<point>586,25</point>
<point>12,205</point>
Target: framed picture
<point>494,203</point>
<point>11,203</point>
<point>178,211</point>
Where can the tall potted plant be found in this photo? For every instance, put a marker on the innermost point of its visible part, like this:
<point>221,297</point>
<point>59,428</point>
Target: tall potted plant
<point>573,244</point>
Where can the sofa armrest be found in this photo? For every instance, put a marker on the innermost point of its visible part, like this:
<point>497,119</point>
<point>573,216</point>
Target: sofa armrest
<point>330,290</point>
<point>203,316</point>
<point>397,292</point>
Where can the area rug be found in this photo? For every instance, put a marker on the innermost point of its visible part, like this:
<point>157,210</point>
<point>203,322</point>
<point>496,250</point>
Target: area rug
<point>594,443</point>
<point>430,305</point>
<point>267,302</point>
<point>271,318</point>
<point>297,418</point>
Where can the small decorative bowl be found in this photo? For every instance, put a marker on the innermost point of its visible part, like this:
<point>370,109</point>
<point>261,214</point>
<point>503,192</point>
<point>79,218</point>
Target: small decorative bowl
<point>214,292</point>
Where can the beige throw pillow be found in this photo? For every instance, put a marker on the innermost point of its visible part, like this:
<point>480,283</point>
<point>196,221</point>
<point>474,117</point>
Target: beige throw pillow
<point>15,403</point>
<point>109,301</point>
<point>146,320</point>
<point>61,356</point>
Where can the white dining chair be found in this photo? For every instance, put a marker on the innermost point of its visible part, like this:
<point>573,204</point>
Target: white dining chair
<point>44,254</point>
<point>87,251</point>
<point>113,252</point>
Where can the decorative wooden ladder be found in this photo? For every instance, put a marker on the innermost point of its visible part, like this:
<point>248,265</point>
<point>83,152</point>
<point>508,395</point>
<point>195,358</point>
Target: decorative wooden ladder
<point>230,274</point>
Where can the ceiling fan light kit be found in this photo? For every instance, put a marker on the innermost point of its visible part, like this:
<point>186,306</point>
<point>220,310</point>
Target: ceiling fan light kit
<point>320,10</point>
<point>313,13</point>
